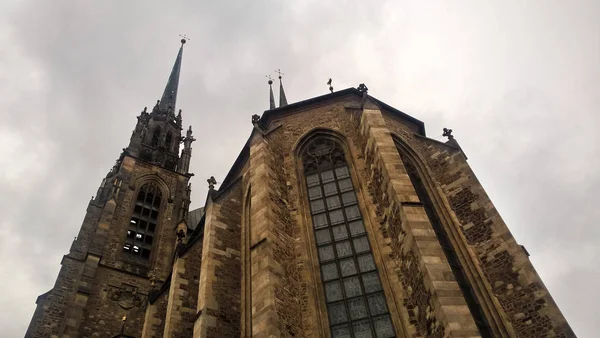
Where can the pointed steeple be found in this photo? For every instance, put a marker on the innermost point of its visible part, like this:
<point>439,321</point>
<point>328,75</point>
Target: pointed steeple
<point>169,96</point>
<point>271,97</point>
<point>282,98</point>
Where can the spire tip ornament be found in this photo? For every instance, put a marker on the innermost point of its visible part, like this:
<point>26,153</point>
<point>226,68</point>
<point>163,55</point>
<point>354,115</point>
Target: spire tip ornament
<point>271,96</point>
<point>184,38</point>
<point>282,97</point>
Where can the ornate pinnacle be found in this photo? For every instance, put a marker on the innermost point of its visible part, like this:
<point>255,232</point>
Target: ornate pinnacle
<point>362,88</point>
<point>211,183</point>
<point>448,133</point>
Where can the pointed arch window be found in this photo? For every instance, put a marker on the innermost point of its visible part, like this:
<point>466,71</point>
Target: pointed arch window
<point>142,225</point>
<point>155,136</point>
<point>356,304</point>
<point>168,140</point>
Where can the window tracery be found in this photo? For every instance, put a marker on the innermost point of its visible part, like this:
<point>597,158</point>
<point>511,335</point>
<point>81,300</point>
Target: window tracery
<point>356,304</point>
<point>142,225</point>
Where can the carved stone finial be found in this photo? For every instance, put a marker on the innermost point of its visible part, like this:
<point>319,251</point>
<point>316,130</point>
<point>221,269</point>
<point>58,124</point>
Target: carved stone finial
<point>448,133</point>
<point>362,88</point>
<point>329,84</point>
<point>255,118</point>
<point>211,182</point>
<point>145,110</point>
<point>180,236</point>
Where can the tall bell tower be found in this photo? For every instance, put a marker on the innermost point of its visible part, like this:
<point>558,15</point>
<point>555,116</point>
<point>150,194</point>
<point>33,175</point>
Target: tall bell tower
<point>130,232</point>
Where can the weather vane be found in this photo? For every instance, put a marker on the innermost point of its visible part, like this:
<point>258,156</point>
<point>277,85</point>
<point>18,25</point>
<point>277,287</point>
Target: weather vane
<point>184,38</point>
<point>278,71</point>
<point>270,78</point>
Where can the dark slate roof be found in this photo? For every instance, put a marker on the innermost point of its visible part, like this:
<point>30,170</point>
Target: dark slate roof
<point>194,217</point>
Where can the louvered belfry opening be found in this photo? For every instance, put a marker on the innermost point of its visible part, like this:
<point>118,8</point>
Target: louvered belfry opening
<point>142,225</point>
<point>356,304</point>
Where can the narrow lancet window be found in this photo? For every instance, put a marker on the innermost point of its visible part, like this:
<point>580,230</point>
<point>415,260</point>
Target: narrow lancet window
<point>142,224</point>
<point>168,140</point>
<point>356,304</point>
<point>155,136</point>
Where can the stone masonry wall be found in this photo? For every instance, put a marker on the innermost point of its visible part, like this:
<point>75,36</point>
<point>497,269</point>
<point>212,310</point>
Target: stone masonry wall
<point>431,285</point>
<point>183,293</point>
<point>219,287</point>
<point>56,304</point>
<point>113,295</point>
<point>154,320</point>
<point>525,304</point>
<point>432,298</point>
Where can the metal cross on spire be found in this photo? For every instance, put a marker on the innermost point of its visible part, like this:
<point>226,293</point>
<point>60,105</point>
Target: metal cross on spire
<point>184,38</point>
<point>282,98</point>
<point>278,71</point>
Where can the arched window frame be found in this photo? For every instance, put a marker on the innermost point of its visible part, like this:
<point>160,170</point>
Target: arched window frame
<point>155,136</point>
<point>131,231</point>
<point>169,140</point>
<point>310,234</point>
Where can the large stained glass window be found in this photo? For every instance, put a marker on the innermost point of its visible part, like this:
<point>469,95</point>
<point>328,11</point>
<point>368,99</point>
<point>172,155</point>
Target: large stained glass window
<point>142,224</point>
<point>356,304</point>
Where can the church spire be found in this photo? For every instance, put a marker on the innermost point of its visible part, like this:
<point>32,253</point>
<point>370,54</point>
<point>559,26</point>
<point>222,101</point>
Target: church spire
<point>170,94</point>
<point>271,97</point>
<point>282,98</point>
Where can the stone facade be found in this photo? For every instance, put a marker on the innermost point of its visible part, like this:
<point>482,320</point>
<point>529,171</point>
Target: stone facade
<point>447,264</point>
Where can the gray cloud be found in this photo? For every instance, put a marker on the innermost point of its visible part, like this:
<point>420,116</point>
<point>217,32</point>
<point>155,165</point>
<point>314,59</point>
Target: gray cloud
<point>517,81</point>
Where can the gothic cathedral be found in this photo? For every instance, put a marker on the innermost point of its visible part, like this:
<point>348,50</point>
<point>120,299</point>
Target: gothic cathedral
<point>339,218</point>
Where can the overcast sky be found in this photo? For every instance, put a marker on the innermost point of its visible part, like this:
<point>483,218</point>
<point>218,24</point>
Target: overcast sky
<point>517,81</point>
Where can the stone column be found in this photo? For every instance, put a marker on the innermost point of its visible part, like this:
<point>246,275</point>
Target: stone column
<point>265,272</point>
<point>219,285</point>
<point>433,298</point>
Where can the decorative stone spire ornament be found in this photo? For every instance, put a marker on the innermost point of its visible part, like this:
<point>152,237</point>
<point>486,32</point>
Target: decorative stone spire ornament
<point>271,97</point>
<point>330,86</point>
<point>211,183</point>
<point>448,133</point>
<point>282,98</point>
<point>362,88</point>
<point>178,118</point>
